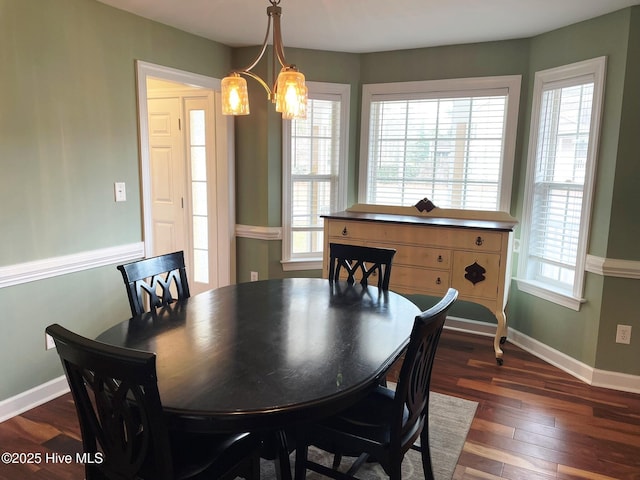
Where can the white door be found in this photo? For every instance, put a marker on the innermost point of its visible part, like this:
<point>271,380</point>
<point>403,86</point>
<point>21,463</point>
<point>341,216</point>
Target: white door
<point>173,178</point>
<point>167,162</point>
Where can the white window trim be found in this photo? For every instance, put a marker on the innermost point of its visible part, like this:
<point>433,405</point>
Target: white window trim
<point>595,68</point>
<point>461,87</point>
<point>318,90</point>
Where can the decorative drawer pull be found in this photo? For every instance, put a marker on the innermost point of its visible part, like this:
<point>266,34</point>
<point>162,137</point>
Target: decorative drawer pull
<point>479,241</point>
<point>438,281</point>
<point>345,232</point>
<point>440,259</point>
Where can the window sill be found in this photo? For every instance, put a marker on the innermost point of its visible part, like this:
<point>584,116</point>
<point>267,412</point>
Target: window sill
<point>304,264</point>
<point>542,291</point>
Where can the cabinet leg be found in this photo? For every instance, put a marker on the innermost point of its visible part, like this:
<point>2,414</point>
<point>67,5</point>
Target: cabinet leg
<point>501,336</point>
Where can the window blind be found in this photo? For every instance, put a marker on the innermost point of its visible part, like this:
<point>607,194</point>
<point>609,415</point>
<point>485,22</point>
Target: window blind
<point>559,182</point>
<point>315,143</point>
<point>447,149</point>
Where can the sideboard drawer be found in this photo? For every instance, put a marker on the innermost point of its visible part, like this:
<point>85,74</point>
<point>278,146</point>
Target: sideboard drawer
<point>418,279</point>
<point>417,256</point>
<point>457,238</point>
<point>477,240</point>
<point>348,230</point>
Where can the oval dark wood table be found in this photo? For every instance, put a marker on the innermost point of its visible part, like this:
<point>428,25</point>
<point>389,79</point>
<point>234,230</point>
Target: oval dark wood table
<point>269,354</point>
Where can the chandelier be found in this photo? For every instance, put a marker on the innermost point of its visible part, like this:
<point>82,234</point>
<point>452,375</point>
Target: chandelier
<point>288,91</point>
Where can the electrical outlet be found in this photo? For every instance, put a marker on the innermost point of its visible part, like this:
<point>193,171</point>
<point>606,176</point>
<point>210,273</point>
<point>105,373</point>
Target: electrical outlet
<point>254,276</point>
<point>623,334</point>
<point>48,342</point>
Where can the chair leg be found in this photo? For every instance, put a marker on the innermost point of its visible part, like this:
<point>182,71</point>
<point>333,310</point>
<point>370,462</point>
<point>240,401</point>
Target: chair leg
<point>426,454</point>
<point>255,467</point>
<point>395,469</point>
<point>301,462</point>
<point>337,458</point>
<point>283,466</point>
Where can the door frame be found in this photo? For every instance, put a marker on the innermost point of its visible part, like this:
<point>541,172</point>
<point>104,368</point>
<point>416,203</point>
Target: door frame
<point>225,164</point>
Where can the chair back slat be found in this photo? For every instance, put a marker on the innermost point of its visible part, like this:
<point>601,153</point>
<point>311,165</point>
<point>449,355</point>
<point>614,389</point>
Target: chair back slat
<point>151,281</point>
<point>361,262</point>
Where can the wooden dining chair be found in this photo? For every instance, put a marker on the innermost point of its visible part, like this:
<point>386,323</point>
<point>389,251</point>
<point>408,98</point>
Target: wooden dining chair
<point>150,281</point>
<point>360,261</point>
<point>385,424</point>
<point>122,421</point>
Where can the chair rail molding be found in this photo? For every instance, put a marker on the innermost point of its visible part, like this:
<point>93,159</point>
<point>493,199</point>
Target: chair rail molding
<point>17,274</point>
<point>259,233</point>
<point>612,267</point>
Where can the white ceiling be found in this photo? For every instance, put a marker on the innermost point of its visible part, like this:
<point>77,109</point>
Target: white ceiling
<point>370,25</point>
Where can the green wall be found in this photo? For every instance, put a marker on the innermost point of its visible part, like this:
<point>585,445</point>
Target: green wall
<point>68,131</point>
<point>625,227</point>
<point>620,294</point>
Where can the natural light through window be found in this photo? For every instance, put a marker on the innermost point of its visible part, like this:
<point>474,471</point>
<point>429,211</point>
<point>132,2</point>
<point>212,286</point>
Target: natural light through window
<point>198,154</point>
<point>314,156</point>
<point>453,146</point>
<point>562,161</point>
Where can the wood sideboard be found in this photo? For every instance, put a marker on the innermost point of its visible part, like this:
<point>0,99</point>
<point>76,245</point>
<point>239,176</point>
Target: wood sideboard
<point>466,250</point>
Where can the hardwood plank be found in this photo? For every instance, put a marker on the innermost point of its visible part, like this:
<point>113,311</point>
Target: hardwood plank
<point>498,454</point>
<point>535,401</point>
<point>478,463</point>
<point>516,473</point>
<point>473,474</point>
<point>493,427</point>
<point>567,473</point>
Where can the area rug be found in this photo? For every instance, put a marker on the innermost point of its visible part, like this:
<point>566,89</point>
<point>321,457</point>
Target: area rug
<point>449,422</point>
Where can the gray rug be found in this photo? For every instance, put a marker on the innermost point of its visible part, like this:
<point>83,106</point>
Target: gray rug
<point>449,422</point>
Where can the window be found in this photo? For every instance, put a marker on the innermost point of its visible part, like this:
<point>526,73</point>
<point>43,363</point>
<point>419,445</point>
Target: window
<point>563,144</point>
<point>314,173</point>
<point>452,141</point>
<point>197,153</point>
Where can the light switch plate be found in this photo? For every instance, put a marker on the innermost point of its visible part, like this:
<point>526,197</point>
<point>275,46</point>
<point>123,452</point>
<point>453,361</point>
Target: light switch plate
<point>120,192</point>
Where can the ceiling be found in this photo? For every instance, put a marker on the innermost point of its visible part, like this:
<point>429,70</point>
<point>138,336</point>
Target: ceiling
<point>360,26</point>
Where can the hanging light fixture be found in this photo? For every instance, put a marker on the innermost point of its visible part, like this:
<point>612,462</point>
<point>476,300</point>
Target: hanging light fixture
<point>288,91</point>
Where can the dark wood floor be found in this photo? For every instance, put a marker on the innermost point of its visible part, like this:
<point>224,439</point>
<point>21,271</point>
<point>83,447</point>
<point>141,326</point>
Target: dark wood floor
<point>534,422</point>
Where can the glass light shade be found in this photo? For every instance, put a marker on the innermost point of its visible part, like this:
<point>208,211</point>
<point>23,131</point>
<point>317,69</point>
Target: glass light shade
<point>291,94</point>
<point>235,100</point>
<point>302,107</point>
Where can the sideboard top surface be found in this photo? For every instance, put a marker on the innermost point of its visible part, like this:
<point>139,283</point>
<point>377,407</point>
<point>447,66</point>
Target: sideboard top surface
<point>507,224</point>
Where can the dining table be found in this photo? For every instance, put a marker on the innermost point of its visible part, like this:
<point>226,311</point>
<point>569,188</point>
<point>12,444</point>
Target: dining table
<point>269,355</point>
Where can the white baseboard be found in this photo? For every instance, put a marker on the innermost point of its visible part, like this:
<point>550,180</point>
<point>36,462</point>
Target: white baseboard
<point>592,376</point>
<point>32,398</point>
